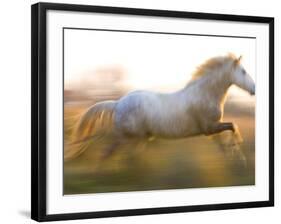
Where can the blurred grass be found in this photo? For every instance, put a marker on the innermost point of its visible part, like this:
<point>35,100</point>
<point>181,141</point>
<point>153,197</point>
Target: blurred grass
<point>164,164</point>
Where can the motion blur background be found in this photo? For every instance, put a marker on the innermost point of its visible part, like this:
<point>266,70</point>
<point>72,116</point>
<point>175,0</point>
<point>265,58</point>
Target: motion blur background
<point>106,65</point>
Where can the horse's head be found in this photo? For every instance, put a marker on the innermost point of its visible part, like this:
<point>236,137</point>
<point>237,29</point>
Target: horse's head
<point>241,78</point>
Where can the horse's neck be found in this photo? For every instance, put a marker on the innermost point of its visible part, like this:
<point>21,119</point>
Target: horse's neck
<point>212,88</point>
<point>215,88</point>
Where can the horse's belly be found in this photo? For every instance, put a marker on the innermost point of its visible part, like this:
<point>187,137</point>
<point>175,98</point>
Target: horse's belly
<point>175,128</point>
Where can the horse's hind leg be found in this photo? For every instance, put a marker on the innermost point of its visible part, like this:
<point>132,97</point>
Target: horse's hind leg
<point>140,147</point>
<point>108,151</point>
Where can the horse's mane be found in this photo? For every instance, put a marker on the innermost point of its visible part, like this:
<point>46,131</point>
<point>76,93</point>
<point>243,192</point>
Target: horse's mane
<point>210,65</point>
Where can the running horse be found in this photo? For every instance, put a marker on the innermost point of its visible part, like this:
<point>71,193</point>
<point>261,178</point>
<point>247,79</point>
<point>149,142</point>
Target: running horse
<point>139,116</point>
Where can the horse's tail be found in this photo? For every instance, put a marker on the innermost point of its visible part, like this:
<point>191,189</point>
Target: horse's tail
<point>95,122</point>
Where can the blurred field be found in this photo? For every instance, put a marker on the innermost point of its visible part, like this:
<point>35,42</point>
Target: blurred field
<point>164,164</point>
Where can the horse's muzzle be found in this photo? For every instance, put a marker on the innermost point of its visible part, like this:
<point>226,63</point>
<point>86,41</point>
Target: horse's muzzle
<point>253,91</point>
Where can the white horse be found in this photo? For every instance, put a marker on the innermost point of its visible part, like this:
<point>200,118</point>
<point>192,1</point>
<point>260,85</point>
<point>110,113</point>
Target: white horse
<point>196,109</point>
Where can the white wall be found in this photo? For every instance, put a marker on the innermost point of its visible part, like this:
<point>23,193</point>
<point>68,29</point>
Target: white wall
<point>15,110</point>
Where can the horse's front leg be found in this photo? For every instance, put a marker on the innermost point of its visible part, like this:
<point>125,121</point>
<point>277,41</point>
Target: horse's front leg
<point>227,132</point>
<point>219,127</point>
<point>228,137</point>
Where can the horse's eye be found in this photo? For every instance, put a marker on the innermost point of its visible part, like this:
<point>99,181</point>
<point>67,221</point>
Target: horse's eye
<point>243,71</point>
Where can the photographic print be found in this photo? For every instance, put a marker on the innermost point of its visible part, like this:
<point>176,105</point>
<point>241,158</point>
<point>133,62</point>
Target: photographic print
<point>151,111</point>
<point>143,111</point>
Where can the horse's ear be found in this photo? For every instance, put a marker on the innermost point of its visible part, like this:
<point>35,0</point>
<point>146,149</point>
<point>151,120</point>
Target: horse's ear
<point>237,60</point>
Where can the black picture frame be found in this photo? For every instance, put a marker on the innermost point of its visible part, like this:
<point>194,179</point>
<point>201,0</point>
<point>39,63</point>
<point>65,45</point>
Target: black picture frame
<point>39,116</point>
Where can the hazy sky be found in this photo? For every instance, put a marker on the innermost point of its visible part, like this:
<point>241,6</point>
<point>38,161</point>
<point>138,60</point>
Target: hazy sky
<point>151,61</point>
